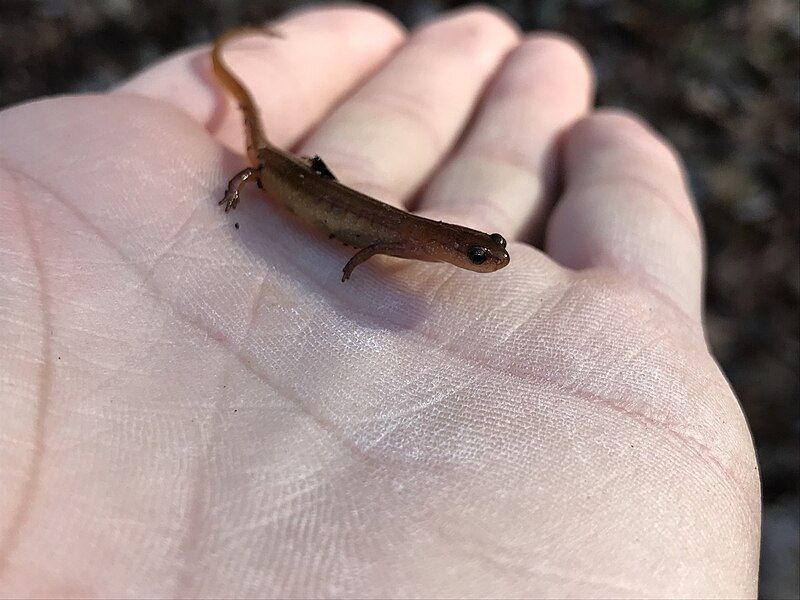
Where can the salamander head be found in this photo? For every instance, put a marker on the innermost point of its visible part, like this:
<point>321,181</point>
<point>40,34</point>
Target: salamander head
<point>477,251</point>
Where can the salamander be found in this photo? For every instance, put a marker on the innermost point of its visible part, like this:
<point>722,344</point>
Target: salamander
<point>307,188</point>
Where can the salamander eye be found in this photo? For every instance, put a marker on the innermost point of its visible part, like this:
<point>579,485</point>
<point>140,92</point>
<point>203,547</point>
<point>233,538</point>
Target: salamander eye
<point>499,239</point>
<point>476,255</point>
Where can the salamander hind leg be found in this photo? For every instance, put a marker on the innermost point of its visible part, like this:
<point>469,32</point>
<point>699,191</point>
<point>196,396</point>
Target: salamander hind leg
<point>235,185</point>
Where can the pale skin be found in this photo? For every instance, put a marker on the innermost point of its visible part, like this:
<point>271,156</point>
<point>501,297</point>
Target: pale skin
<point>191,409</point>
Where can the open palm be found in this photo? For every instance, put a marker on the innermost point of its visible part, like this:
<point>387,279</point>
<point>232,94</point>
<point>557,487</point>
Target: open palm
<point>194,405</point>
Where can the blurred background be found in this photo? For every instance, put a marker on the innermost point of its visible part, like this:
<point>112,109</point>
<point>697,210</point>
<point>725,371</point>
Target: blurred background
<point>718,78</point>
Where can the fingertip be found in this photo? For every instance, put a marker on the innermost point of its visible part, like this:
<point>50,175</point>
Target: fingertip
<point>614,143</point>
<point>487,13</point>
<point>567,56</point>
<point>618,127</point>
<point>472,26</point>
<point>348,16</point>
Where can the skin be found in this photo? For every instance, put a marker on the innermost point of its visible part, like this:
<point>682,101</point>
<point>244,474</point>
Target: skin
<point>308,189</point>
<point>191,409</point>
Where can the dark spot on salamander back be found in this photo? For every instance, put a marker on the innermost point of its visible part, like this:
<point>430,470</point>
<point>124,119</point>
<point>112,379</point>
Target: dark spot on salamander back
<point>236,225</point>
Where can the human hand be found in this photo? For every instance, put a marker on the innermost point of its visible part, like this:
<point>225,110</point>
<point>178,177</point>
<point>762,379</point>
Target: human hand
<point>191,409</point>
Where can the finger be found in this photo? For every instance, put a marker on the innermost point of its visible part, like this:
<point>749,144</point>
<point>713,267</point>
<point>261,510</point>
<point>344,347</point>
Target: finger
<point>626,207</point>
<point>294,79</point>
<point>501,176</point>
<point>388,137</point>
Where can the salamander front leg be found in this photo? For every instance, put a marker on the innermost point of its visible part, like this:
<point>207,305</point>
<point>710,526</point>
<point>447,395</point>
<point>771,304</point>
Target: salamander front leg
<point>367,253</point>
<point>235,185</point>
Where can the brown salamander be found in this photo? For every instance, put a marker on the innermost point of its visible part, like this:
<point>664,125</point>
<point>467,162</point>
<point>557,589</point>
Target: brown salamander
<point>307,188</point>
